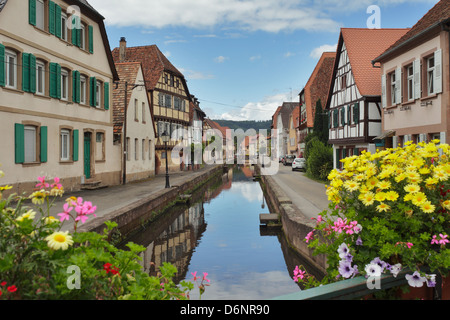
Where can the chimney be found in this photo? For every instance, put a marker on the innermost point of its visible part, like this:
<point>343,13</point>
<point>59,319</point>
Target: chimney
<point>122,49</point>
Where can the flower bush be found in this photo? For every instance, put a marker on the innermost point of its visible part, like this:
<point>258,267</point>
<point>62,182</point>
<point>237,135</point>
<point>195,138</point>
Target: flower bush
<point>389,211</point>
<point>38,260</point>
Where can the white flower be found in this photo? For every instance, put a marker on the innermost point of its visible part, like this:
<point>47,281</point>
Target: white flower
<point>395,269</point>
<point>343,250</point>
<point>373,270</point>
<point>415,279</point>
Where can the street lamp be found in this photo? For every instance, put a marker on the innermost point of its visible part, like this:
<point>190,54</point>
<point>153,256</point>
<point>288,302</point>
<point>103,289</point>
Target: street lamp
<point>165,138</point>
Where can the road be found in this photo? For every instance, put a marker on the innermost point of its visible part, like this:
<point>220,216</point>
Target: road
<point>308,195</point>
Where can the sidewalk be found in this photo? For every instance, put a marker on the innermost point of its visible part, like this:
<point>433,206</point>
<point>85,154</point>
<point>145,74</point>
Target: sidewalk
<point>113,198</point>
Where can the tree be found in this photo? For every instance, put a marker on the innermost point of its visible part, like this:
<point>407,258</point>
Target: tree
<point>320,123</point>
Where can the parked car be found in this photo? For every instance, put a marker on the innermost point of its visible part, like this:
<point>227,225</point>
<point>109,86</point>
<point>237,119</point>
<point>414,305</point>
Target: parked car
<point>299,163</point>
<point>289,159</point>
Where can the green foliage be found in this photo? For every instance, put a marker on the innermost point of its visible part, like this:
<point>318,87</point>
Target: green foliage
<point>90,267</point>
<point>319,158</point>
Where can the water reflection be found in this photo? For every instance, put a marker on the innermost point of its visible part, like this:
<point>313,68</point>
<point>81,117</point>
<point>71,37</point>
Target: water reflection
<point>219,233</point>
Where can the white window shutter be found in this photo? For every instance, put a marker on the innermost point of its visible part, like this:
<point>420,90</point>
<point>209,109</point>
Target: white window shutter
<point>417,86</point>
<point>438,71</point>
<point>442,137</point>
<point>398,85</point>
<point>383,91</point>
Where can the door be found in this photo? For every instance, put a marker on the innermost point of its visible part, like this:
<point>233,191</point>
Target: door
<point>87,154</point>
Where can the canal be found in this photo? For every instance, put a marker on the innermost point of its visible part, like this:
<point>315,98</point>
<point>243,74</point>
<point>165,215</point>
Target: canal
<point>218,232</point>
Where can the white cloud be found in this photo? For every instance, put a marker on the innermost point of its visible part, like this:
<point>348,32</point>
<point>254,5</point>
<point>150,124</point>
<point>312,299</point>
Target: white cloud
<point>289,54</point>
<point>253,58</point>
<point>195,75</point>
<point>262,110</point>
<point>317,52</point>
<point>252,15</point>
<point>220,59</point>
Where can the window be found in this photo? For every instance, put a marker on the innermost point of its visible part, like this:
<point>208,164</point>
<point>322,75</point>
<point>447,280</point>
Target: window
<point>64,84</point>
<point>83,88</point>
<point>410,82</point>
<point>63,26</point>
<point>82,35</point>
<point>149,149</point>
<point>127,149</point>
<point>393,87</point>
<point>40,77</point>
<point>143,112</point>
<point>98,93</point>
<point>10,69</point>
<point>136,110</point>
<point>143,149</point>
<point>136,148</point>
<point>100,146</point>
<point>343,82</point>
<point>30,144</point>
<point>40,14</point>
<point>430,75</point>
<point>65,145</point>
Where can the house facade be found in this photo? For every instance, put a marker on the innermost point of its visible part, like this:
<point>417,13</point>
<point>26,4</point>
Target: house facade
<point>354,100</point>
<point>56,73</point>
<point>169,100</point>
<point>137,136</point>
<point>280,122</point>
<point>316,89</point>
<point>292,142</point>
<point>415,82</point>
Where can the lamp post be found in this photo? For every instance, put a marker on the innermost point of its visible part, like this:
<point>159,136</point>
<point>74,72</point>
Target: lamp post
<point>165,138</point>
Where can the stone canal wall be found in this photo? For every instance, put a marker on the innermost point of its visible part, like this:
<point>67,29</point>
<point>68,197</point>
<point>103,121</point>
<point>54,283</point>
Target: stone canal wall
<point>131,217</point>
<point>295,225</point>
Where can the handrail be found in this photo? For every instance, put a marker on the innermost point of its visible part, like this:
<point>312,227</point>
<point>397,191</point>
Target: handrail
<point>347,289</point>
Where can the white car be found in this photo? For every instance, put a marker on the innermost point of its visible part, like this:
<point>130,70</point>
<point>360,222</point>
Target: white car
<point>299,163</point>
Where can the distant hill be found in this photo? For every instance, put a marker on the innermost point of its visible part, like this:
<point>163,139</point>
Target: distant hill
<point>245,125</point>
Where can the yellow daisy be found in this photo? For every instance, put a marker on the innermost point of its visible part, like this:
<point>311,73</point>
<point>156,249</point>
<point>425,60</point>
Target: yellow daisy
<point>30,214</point>
<point>368,198</point>
<point>59,240</point>
<point>351,185</point>
<point>446,204</point>
<point>419,198</point>
<point>380,196</point>
<point>383,207</point>
<point>372,183</point>
<point>412,188</point>
<point>427,207</point>
<point>383,184</point>
<point>391,196</point>
<point>38,197</point>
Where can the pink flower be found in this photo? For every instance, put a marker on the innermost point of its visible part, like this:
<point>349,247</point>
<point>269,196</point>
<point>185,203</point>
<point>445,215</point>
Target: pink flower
<point>56,183</point>
<point>66,214</point>
<point>298,274</point>
<point>194,274</point>
<point>309,236</point>
<point>204,277</point>
<point>442,241</point>
<point>42,183</point>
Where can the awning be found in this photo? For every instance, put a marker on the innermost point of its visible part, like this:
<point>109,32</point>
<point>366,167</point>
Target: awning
<point>386,134</point>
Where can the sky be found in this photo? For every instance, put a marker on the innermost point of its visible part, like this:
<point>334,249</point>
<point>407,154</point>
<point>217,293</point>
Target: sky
<point>243,58</point>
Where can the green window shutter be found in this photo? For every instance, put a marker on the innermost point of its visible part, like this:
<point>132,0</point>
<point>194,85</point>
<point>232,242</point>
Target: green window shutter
<point>356,113</point>
<point>93,96</point>
<point>32,73</point>
<point>356,152</point>
<point>51,17</point>
<point>75,29</point>
<point>75,144</point>
<point>58,21</point>
<point>2,65</point>
<point>44,137</point>
<point>76,86</point>
<point>343,116</point>
<point>26,72</point>
<point>106,92</point>
<point>58,81</point>
<point>32,12</point>
<point>91,39</point>
<point>19,143</point>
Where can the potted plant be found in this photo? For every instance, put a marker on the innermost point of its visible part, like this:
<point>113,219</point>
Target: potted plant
<point>389,211</point>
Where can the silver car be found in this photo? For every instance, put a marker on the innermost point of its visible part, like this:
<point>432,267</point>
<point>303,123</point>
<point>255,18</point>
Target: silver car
<point>299,163</point>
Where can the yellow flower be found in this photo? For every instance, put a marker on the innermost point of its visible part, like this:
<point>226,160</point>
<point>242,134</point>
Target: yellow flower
<point>413,176</point>
<point>446,204</point>
<point>424,171</point>
<point>49,219</point>
<point>419,198</point>
<point>30,214</point>
<point>391,196</point>
<point>360,177</point>
<point>412,188</point>
<point>400,177</point>
<point>38,197</point>
<point>372,183</point>
<point>427,207</point>
<point>440,175</point>
<point>380,196</point>
<point>431,181</point>
<point>383,185</point>
<point>351,185</point>
<point>383,207</point>
<point>59,240</point>
<point>367,198</point>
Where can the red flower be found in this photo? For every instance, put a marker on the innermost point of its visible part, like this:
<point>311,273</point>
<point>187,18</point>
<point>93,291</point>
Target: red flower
<point>108,269</point>
<point>12,288</point>
<point>3,283</point>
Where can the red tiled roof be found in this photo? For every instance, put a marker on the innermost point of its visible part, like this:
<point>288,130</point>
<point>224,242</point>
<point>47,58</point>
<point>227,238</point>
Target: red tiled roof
<point>438,14</point>
<point>127,72</point>
<point>363,45</point>
<point>153,61</point>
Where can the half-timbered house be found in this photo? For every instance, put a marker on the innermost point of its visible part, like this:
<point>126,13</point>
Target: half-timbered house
<point>169,98</point>
<point>354,99</point>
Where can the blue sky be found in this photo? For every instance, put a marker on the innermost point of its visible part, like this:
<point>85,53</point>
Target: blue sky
<point>244,58</point>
